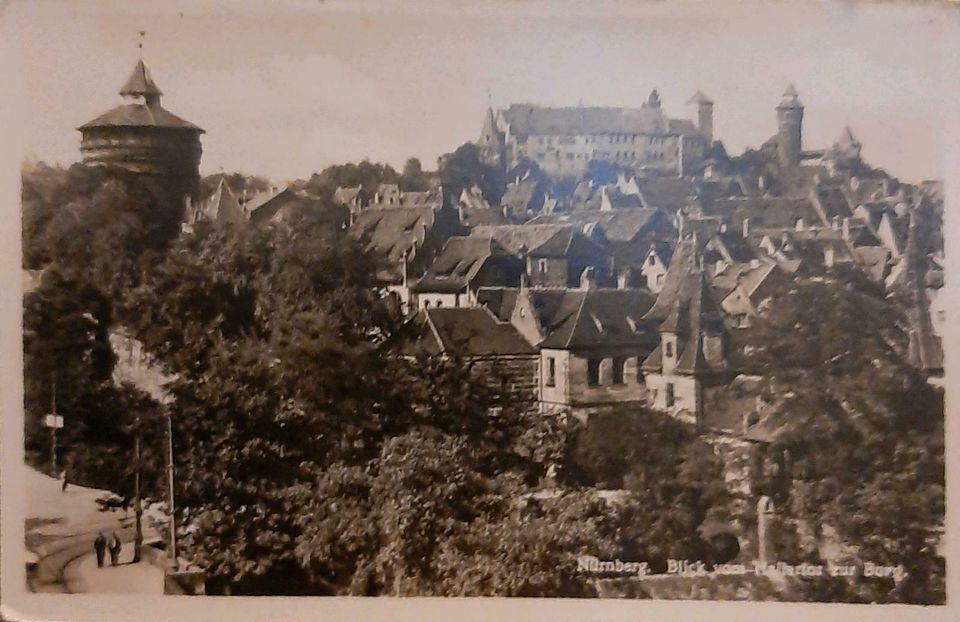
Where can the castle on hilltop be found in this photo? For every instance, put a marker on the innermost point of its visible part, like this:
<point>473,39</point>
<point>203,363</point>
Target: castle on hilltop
<point>563,141</point>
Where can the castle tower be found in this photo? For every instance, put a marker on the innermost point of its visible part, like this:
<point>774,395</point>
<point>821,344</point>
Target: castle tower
<point>142,137</point>
<point>789,132</point>
<point>704,114</point>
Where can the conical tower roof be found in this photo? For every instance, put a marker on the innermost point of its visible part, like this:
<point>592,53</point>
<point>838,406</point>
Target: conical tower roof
<point>699,98</point>
<point>790,98</point>
<point>140,83</point>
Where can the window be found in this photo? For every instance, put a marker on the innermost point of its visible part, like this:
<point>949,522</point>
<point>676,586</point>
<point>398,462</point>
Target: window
<point>618,371</point>
<point>659,279</point>
<point>668,394</point>
<point>640,378</point>
<point>551,372</point>
<point>668,349</point>
<point>542,266</point>
<point>593,372</point>
<point>652,261</point>
<point>439,303</point>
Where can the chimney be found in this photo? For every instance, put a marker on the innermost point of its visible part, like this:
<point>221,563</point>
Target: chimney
<point>588,280</point>
<point>799,225</point>
<point>746,227</point>
<point>835,223</point>
<point>623,279</point>
<point>845,228</point>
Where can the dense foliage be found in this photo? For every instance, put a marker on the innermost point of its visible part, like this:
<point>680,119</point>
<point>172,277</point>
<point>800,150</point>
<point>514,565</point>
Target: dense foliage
<point>864,434</point>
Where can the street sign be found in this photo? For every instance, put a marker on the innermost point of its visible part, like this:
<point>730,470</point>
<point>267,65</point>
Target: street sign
<point>53,421</point>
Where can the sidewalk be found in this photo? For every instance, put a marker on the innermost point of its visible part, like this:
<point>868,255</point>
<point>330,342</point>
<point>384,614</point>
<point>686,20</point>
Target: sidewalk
<point>83,576</point>
<point>61,528</point>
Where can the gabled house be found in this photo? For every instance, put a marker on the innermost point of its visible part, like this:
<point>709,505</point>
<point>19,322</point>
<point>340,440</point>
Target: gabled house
<point>387,195</point>
<point>407,239</point>
<point>591,342</point>
<point>463,266</point>
<point>742,288</point>
<point>478,338</point>
<point>555,255</point>
<point>474,209</point>
<point>654,266</point>
<point>523,198</point>
<point>349,197</point>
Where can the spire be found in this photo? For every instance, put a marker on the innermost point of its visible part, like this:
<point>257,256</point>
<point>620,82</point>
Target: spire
<point>141,85</point>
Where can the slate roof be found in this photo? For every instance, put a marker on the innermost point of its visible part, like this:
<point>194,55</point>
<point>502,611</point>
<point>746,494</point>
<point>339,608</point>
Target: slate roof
<point>458,264</point>
<point>684,262</point>
<point>520,197</point>
<point>621,225</point>
<point>140,115</point>
<point>392,231</point>
<point>668,193</point>
<point>593,318</point>
<point>766,212</point>
<point>541,240</point>
<point>833,201</point>
<point>744,275</point>
<point>140,82</point>
<point>692,312</point>
<point>526,120</point>
<point>470,332</point>
<point>415,199</point>
<point>476,211</point>
<point>501,301</point>
<point>150,114</point>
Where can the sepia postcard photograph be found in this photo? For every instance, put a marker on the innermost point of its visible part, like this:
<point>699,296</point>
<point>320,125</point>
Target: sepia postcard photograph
<point>550,305</point>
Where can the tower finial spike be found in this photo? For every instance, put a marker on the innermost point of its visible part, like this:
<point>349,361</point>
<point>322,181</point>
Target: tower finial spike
<point>143,33</point>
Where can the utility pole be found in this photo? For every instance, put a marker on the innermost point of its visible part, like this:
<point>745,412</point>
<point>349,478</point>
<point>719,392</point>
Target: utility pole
<point>170,508</point>
<point>53,421</point>
<point>53,428</point>
<point>137,504</point>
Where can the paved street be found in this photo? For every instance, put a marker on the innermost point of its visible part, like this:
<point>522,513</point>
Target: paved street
<point>60,530</point>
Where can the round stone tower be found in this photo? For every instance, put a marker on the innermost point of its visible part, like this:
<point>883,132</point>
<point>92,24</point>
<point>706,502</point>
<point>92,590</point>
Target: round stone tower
<point>704,114</point>
<point>789,132</point>
<point>142,137</point>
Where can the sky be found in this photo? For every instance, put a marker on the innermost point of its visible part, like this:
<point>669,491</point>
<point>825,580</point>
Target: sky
<point>286,88</point>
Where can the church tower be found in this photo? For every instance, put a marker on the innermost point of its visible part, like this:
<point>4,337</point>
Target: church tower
<point>789,132</point>
<point>142,137</point>
<point>491,143</point>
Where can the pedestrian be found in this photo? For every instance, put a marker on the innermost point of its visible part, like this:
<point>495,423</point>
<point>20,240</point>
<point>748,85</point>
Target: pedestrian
<point>114,549</point>
<point>100,546</point>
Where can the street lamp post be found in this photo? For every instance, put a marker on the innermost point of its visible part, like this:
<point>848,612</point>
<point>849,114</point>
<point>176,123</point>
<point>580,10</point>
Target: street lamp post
<point>137,503</point>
